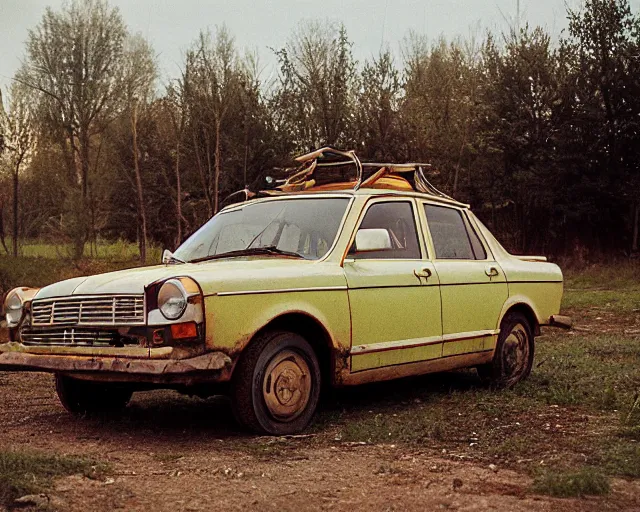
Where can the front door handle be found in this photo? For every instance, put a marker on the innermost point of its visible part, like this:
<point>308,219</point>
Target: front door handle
<point>422,272</point>
<point>492,271</point>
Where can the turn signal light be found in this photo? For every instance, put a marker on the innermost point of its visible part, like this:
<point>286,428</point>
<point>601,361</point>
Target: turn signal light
<point>186,330</point>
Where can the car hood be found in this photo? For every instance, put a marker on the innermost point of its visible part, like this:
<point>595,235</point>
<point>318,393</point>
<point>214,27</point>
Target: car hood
<point>224,275</point>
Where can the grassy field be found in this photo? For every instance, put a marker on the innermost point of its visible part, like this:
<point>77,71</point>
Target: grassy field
<point>40,263</point>
<point>118,250</point>
<point>31,473</point>
<point>572,426</point>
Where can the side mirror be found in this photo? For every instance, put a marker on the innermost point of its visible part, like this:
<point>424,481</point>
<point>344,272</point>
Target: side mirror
<point>369,240</point>
<point>166,256</point>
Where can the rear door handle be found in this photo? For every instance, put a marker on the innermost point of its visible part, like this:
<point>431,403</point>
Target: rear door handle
<point>423,272</point>
<point>492,271</point>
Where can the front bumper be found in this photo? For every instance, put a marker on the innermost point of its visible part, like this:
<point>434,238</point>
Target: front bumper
<point>153,369</point>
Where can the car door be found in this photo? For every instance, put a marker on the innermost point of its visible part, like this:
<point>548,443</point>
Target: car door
<point>473,286</point>
<point>393,292</point>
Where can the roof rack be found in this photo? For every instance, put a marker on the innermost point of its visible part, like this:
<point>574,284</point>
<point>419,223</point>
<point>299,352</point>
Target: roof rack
<point>329,168</point>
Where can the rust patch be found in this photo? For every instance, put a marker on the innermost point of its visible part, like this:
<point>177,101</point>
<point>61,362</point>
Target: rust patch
<point>212,366</point>
<point>419,368</point>
<point>340,364</point>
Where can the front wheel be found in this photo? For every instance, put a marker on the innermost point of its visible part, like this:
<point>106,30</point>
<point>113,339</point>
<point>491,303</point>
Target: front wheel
<point>276,385</point>
<point>86,397</point>
<point>513,357</point>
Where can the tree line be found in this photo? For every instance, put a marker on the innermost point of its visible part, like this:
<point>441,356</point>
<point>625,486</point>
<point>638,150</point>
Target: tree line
<point>540,136</point>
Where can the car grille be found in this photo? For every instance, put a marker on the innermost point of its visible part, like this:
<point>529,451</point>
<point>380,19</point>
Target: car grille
<point>97,310</point>
<point>69,337</point>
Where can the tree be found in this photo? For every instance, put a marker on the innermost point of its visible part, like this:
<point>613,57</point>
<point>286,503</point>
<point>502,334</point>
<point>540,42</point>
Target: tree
<point>212,83</point>
<point>75,61</point>
<point>17,127</point>
<point>316,92</point>
<point>604,36</point>
<point>139,75</point>
<point>520,98</point>
<point>438,105</point>
<point>378,120</point>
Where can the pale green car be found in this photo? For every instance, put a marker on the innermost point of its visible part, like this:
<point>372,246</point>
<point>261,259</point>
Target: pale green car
<point>280,295</point>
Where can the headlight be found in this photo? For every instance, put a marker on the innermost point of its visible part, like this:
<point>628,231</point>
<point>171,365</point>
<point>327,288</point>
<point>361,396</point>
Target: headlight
<point>13,307</point>
<point>172,299</point>
<point>14,304</point>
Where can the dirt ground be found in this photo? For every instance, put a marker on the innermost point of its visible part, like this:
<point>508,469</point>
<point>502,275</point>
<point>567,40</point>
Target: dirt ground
<point>168,452</point>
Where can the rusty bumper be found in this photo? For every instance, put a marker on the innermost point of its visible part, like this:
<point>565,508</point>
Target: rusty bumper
<point>209,367</point>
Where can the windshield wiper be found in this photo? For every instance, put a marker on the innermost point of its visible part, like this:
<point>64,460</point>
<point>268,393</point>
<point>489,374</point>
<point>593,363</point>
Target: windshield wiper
<point>168,258</point>
<point>270,250</point>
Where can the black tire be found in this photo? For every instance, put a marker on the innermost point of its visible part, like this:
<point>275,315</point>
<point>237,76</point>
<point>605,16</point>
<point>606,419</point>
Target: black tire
<point>87,397</point>
<point>513,358</point>
<point>255,397</point>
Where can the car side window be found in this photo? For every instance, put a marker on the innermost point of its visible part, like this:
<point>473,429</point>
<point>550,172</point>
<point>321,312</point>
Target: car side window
<point>397,219</point>
<point>453,238</point>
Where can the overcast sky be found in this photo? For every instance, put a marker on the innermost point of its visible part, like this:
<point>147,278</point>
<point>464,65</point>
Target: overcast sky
<point>172,25</point>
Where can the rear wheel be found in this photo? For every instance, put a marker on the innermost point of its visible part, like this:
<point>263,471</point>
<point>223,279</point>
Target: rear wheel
<point>513,357</point>
<point>87,397</point>
<point>276,385</point>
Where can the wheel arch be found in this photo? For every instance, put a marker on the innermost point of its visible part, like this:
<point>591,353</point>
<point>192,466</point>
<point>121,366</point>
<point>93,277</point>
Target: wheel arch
<point>314,332</point>
<point>525,309</point>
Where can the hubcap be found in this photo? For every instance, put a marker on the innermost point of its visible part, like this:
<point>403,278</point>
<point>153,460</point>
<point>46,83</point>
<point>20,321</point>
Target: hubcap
<point>286,387</point>
<point>515,353</point>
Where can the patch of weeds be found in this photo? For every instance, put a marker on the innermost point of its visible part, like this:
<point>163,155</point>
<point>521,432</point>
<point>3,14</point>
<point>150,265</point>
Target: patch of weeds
<point>387,427</point>
<point>24,473</point>
<point>599,371</point>
<point>570,484</point>
<point>268,450</point>
<point>168,458</point>
<point>632,432</point>
<point>621,275</point>
<point>620,457</point>
<point>387,470</point>
<point>514,447</point>
<point>621,301</point>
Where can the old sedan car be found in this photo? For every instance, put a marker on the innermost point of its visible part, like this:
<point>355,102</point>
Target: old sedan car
<point>343,273</point>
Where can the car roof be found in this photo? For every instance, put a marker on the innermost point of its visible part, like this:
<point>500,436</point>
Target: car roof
<point>368,192</point>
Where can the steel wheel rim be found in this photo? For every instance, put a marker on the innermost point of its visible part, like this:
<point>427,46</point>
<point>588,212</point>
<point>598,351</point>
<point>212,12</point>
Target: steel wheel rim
<point>515,353</point>
<point>286,386</point>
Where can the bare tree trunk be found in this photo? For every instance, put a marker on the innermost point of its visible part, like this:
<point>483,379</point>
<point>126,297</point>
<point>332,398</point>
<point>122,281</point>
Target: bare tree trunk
<point>15,208</point>
<point>216,180</point>
<point>210,200</point>
<point>203,179</point>
<point>141,211</point>
<point>2,235</point>
<point>178,192</point>
<point>636,227</point>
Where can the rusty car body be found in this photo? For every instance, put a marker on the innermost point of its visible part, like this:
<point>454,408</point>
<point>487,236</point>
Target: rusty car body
<point>342,273</point>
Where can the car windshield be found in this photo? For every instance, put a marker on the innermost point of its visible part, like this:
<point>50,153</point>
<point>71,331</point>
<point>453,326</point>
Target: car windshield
<point>304,228</point>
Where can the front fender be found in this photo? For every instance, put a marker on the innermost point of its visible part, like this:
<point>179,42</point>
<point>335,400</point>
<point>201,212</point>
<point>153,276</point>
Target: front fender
<point>233,320</point>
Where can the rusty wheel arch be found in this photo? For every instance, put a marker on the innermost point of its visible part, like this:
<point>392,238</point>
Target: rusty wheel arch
<point>526,310</point>
<point>314,332</point>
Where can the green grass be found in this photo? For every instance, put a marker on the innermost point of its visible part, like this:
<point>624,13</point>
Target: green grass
<point>37,272</point>
<point>577,377</point>
<point>116,250</point>
<point>600,372</point>
<point>619,456</point>
<point>614,288</point>
<point>23,473</point>
<point>621,275</point>
<point>585,482</point>
<point>620,301</point>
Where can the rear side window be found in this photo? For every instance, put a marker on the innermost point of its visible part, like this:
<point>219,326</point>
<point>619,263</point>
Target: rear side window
<point>453,238</point>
